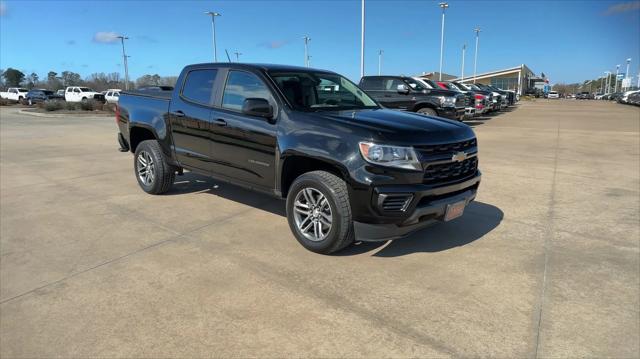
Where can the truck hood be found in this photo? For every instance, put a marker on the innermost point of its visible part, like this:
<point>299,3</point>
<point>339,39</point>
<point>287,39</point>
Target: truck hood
<point>401,127</point>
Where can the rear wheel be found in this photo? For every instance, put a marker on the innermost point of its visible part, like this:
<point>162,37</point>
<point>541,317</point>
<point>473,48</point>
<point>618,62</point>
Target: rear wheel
<point>427,111</point>
<point>319,212</point>
<point>154,174</point>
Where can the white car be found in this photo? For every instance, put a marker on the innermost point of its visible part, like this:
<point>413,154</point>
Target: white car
<point>625,96</point>
<point>553,94</point>
<point>80,94</point>
<point>112,95</point>
<point>14,94</point>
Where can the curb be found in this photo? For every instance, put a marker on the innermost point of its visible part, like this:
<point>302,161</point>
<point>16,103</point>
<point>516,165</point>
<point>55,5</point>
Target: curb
<point>38,114</point>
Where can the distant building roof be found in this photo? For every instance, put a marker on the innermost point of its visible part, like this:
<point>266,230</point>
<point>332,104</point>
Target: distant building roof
<point>435,75</point>
<point>522,67</point>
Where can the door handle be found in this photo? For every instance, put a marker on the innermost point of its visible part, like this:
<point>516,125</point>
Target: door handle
<point>220,122</point>
<point>177,113</point>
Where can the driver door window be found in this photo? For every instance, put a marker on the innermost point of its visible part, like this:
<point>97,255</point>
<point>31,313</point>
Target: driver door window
<point>241,86</point>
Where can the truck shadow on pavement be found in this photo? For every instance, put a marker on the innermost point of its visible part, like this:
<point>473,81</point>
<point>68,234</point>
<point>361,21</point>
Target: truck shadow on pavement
<point>479,219</point>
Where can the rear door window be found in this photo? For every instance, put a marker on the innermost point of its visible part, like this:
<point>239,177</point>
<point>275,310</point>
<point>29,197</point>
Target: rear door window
<point>198,86</point>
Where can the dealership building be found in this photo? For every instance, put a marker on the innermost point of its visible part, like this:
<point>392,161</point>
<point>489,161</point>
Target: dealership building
<point>520,79</point>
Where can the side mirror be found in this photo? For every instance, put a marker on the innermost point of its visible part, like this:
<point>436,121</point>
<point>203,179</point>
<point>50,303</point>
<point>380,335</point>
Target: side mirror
<point>403,89</point>
<point>257,107</point>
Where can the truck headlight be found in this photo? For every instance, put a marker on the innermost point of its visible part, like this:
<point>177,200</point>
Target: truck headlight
<point>446,101</point>
<point>390,156</point>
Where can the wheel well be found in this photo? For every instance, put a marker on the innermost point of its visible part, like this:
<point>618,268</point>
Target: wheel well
<point>137,135</point>
<point>425,104</point>
<point>295,166</point>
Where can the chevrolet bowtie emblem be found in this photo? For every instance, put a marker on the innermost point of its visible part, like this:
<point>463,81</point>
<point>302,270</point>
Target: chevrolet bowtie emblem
<point>459,157</point>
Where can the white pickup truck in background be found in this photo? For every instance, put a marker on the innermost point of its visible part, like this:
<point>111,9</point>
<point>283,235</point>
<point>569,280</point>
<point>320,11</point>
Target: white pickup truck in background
<point>14,94</point>
<point>80,94</point>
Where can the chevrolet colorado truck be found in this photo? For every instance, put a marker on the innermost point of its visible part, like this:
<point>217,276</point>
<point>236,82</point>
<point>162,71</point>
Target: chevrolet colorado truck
<point>407,94</point>
<point>347,168</point>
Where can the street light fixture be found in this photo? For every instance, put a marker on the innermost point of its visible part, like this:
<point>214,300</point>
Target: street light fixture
<point>125,62</point>
<point>475,55</point>
<point>306,50</point>
<point>237,55</point>
<point>443,6</point>
<point>213,28</point>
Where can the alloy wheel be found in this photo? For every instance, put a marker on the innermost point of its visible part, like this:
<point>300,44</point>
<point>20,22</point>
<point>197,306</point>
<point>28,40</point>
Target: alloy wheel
<point>146,168</point>
<point>312,214</point>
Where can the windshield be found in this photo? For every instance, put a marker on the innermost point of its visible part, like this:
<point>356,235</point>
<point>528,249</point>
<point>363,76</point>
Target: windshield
<point>415,85</point>
<point>457,86</point>
<point>86,89</point>
<point>317,91</point>
<point>449,86</point>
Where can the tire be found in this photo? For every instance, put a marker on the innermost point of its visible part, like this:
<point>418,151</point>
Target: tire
<point>84,99</point>
<point>30,102</point>
<point>427,111</point>
<point>334,190</point>
<point>159,178</point>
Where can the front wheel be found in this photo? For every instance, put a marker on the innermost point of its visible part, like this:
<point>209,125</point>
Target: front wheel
<point>319,212</point>
<point>154,174</point>
<point>427,111</point>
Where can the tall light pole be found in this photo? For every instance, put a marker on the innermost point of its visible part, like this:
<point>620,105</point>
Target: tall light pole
<point>362,42</point>
<point>475,55</point>
<point>125,62</point>
<point>464,48</point>
<point>615,87</point>
<point>626,75</point>
<point>306,50</point>
<point>607,81</point>
<point>213,29</point>
<point>443,6</point>
<point>237,55</point>
<point>601,85</point>
<point>380,52</point>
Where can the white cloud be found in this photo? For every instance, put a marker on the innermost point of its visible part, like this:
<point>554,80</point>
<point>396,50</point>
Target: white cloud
<point>105,37</point>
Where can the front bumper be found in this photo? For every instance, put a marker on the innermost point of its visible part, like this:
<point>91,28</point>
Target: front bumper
<point>427,207</point>
<point>470,112</point>
<point>452,113</point>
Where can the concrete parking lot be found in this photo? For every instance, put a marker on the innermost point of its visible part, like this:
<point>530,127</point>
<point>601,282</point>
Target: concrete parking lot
<point>545,263</point>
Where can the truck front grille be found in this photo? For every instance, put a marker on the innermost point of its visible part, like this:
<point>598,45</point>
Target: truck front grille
<point>448,148</point>
<point>452,171</point>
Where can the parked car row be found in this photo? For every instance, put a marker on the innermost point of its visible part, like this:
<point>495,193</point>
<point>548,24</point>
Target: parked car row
<point>630,98</point>
<point>448,99</point>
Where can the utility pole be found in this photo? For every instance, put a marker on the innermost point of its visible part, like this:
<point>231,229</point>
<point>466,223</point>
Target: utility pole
<point>380,52</point>
<point>615,87</point>
<point>213,29</point>
<point>125,62</point>
<point>443,6</point>
<point>475,56</point>
<point>306,50</point>
<point>601,85</point>
<point>362,42</point>
<point>464,48</point>
<point>626,75</point>
<point>608,81</point>
<point>237,55</point>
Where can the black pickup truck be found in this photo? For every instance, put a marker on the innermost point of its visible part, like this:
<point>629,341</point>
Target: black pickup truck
<point>405,93</point>
<point>347,168</point>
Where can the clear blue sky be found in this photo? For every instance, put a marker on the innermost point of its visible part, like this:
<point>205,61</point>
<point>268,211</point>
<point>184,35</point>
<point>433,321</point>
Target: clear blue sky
<point>569,41</point>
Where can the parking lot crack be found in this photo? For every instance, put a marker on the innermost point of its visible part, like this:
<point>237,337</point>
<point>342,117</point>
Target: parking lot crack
<point>549,234</point>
